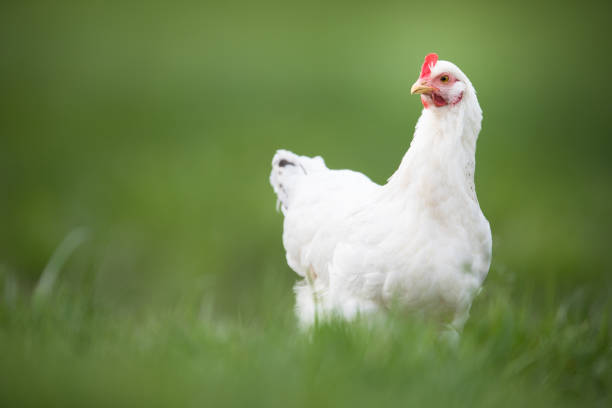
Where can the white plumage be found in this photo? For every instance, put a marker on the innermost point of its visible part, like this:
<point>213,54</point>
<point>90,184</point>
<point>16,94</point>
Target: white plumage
<point>420,242</point>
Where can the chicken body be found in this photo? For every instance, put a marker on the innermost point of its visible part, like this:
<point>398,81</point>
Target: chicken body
<point>420,242</point>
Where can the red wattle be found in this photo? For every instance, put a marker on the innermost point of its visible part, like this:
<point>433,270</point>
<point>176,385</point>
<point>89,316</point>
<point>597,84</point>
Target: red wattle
<point>438,100</point>
<point>424,102</point>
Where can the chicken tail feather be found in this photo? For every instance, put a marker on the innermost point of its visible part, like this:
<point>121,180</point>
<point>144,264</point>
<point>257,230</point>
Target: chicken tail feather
<point>288,169</point>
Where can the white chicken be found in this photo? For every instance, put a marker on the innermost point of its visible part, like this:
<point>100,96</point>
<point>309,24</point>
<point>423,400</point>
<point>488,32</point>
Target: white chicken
<point>420,242</point>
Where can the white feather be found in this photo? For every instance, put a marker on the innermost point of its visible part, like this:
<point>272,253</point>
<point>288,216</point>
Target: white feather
<point>420,241</point>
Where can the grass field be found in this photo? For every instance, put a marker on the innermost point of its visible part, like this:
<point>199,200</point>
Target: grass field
<point>142,133</point>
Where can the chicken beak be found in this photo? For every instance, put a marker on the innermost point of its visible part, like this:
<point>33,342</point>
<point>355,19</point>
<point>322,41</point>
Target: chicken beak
<point>421,87</point>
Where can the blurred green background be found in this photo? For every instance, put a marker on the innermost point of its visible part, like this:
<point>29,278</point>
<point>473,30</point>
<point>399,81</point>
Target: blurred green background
<point>149,127</point>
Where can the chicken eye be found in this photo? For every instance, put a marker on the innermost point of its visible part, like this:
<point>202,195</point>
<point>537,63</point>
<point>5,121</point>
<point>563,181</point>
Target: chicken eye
<point>444,78</point>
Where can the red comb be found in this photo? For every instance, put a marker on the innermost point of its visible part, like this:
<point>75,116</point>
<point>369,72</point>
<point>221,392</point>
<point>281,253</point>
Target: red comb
<point>430,62</point>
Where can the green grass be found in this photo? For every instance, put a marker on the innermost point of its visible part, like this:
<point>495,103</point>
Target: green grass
<point>67,352</point>
<point>150,129</point>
